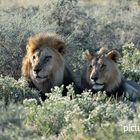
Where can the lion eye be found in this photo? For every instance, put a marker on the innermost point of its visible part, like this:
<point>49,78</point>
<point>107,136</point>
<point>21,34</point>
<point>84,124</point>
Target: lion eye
<point>90,66</point>
<point>47,58</point>
<point>102,66</point>
<point>34,57</point>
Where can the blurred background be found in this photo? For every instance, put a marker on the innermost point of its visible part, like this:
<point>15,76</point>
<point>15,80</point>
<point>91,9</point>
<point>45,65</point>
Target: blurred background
<point>83,24</point>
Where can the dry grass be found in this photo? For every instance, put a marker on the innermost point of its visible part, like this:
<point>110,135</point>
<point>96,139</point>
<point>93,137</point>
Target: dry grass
<point>20,3</point>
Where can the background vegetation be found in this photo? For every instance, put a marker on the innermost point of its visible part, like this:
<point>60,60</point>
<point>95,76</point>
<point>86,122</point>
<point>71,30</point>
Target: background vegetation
<point>83,24</point>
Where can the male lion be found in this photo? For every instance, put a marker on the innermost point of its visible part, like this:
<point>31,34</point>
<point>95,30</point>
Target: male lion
<point>43,65</point>
<point>101,73</point>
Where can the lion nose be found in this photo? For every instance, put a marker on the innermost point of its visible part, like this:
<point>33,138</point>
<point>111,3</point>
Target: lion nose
<point>37,70</point>
<point>94,78</point>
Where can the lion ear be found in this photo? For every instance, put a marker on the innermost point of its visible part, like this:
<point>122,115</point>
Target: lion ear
<point>61,47</point>
<point>87,55</point>
<point>103,50</point>
<point>114,55</point>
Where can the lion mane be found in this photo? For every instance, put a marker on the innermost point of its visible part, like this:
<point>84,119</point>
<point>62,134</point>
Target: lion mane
<point>56,45</point>
<point>51,40</point>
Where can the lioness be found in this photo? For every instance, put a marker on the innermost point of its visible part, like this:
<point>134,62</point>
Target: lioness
<point>43,65</point>
<point>101,73</point>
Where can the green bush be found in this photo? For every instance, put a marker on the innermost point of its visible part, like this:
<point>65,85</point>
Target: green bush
<point>131,62</point>
<point>15,91</point>
<point>11,123</point>
<point>92,117</point>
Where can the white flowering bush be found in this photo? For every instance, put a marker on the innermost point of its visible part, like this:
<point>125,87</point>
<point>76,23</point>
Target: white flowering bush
<point>131,62</point>
<point>13,91</point>
<point>84,115</point>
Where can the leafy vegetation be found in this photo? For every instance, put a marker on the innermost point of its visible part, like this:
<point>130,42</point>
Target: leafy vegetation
<point>84,117</point>
<point>13,91</point>
<point>131,61</point>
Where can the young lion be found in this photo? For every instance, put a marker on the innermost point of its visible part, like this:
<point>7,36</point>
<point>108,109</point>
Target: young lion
<point>43,65</point>
<point>101,73</point>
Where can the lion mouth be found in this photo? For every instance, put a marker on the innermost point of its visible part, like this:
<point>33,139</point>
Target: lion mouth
<point>39,78</point>
<point>97,86</point>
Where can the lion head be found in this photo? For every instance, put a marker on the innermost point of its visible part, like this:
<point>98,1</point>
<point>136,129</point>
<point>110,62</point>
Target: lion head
<point>101,72</point>
<point>43,64</point>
